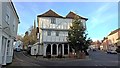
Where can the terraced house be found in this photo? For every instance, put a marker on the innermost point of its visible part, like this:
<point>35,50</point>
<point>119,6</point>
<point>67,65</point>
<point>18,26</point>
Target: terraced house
<point>9,21</point>
<point>53,30</point>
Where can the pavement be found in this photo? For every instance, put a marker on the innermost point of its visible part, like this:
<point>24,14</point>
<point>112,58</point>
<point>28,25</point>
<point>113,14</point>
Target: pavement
<point>97,58</point>
<point>53,59</point>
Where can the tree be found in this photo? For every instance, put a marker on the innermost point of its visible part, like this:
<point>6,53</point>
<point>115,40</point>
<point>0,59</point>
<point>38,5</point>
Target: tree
<point>25,39</point>
<point>33,35</point>
<point>77,37</point>
<point>19,37</point>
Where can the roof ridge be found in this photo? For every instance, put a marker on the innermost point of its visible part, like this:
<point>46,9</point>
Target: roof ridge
<point>50,13</point>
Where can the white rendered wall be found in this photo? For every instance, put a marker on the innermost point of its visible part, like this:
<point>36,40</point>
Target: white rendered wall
<point>7,30</point>
<point>34,50</point>
<point>62,25</point>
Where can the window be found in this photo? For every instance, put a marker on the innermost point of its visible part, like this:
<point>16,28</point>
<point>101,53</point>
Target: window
<point>49,33</point>
<point>53,20</point>
<point>14,26</point>
<point>57,33</point>
<point>7,18</point>
<point>8,47</point>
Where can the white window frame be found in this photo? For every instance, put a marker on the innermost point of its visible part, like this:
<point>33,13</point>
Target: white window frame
<point>53,21</point>
<point>57,33</point>
<point>48,33</point>
<point>7,17</point>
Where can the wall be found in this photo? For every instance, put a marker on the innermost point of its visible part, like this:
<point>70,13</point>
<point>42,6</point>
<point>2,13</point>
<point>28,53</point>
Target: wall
<point>13,20</point>
<point>34,49</point>
<point>53,38</point>
<point>45,22</point>
<point>113,38</point>
<point>62,25</point>
<point>0,32</point>
<point>7,31</point>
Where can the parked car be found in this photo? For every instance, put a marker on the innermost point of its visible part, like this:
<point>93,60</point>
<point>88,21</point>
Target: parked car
<point>118,49</point>
<point>111,52</point>
<point>18,49</point>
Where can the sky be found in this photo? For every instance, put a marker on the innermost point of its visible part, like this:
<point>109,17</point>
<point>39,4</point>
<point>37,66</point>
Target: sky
<point>102,16</point>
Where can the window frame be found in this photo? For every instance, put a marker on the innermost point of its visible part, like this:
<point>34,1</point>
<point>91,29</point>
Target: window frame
<point>57,33</point>
<point>48,33</point>
<point>53,20</point>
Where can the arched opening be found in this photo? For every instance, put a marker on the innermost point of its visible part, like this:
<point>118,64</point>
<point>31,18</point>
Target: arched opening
<point>54,49</point>
<point>60,50</point>
<point>48,50</point>
<point>65,49</point>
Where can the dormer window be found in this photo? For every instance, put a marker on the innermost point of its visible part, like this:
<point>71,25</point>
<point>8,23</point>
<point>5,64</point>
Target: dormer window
<point>53,20</point>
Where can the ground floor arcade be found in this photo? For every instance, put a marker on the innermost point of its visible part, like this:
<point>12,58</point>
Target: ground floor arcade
<point>56,50</point>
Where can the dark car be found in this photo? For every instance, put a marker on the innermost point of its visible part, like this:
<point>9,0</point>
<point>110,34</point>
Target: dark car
<point>94,49</point>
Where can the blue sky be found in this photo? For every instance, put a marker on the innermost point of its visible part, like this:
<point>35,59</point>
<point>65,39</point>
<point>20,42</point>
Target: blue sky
<point>102,16</point>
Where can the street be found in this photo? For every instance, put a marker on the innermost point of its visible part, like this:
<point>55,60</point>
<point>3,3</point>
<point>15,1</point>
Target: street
<point>97,58</point>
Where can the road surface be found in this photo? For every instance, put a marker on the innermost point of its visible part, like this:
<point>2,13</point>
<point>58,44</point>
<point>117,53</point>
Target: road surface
<point>97,58</point>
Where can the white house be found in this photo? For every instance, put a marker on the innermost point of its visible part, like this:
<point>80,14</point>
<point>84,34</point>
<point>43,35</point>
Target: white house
<point>53,30</point>
<point>9,21</point>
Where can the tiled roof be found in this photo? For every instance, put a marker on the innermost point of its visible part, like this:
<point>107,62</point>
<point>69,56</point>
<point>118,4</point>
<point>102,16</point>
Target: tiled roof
<point>50,13</point>
<point>114,31</point>
<point>73,15</point>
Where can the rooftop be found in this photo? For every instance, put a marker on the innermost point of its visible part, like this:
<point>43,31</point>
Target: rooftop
<point>51,13</point>
<point>114,31</point>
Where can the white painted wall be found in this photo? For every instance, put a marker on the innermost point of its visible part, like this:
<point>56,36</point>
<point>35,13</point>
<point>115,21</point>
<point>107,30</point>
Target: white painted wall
<point>34,50</point>
<point>45,22</point>
<point>0,33</point>
<point>8,31</point>
<point>62,25</point>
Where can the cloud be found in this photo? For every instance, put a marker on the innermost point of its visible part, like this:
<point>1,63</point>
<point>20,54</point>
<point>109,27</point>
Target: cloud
<point>101,15</point>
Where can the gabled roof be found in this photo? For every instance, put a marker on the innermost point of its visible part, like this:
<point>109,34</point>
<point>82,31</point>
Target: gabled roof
<point>73,15</point>
<point>50,13</point>
<point>114,31</point>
